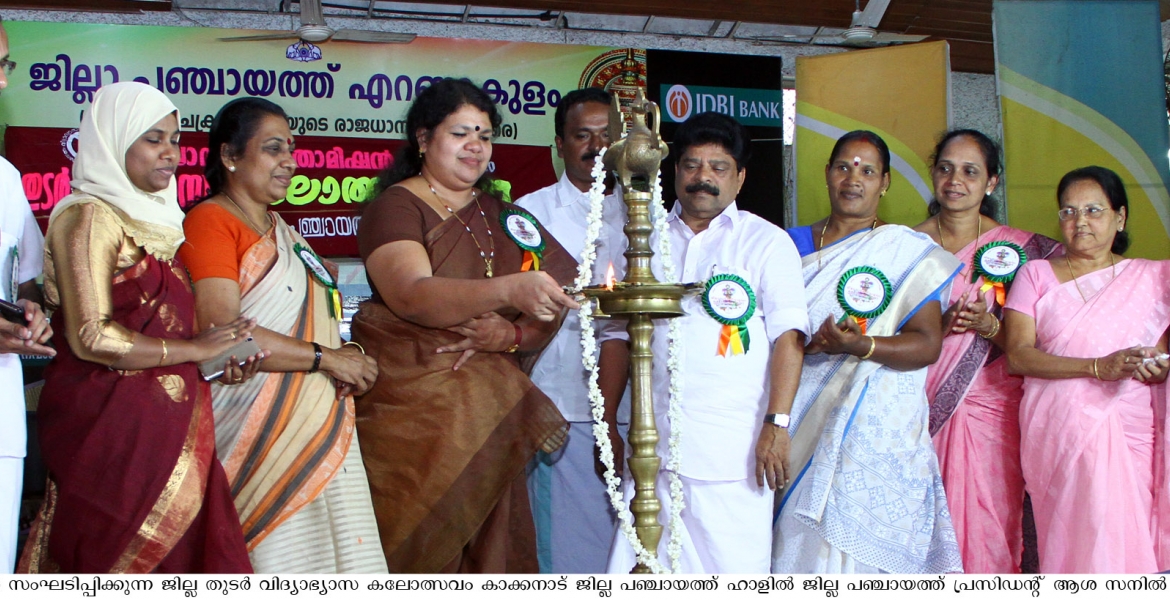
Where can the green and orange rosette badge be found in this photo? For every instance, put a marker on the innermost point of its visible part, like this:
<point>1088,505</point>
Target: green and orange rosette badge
<point>864,293</point>
<point>323,276</point>
<point>730,300</point>
<point>522,229</point>
<point>998,263</point>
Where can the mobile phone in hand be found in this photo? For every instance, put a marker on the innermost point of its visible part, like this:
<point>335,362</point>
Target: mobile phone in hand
<point>13,313</point>
<point>212,369</point>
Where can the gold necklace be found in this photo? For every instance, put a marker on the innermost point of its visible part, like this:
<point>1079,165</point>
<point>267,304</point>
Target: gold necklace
<point>821,243</point>
<point>251,223</point>
<point>943,243</point>
<point>489,257</point>
<point>1112,265</point>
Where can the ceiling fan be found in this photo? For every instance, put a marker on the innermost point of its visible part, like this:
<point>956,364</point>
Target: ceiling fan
<point>314,30</point>
<point>863,28</point>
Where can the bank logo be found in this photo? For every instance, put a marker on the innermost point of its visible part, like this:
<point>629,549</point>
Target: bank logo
<point>750,106</point>
<point>679,103</point>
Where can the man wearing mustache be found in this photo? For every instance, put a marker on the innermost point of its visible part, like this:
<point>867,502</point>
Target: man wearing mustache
<point>742,348</point>
<point>574,523</point>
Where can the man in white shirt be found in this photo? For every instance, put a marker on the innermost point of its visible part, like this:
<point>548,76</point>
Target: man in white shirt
<point>21,249</point>
<point>742,347</point>
<point>574,522</point>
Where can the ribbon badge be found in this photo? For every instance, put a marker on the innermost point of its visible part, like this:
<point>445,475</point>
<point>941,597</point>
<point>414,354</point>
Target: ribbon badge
<point>998,263</point>
<point>323,276</point>
<point>864,293</point>
<point>730,300</point>
<point>521,227</point>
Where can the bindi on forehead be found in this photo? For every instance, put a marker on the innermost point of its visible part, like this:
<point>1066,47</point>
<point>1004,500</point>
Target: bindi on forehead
<point>857,161</point>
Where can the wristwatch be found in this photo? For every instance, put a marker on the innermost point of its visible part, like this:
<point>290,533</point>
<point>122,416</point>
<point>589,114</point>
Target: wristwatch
<point>780,420</point>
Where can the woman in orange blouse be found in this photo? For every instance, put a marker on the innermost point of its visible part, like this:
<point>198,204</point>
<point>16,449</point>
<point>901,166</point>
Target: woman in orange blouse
<point>286,437</point>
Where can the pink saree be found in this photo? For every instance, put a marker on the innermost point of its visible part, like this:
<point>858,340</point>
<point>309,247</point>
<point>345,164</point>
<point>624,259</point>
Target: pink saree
<point>974,418</point>
<point>1088,446</point>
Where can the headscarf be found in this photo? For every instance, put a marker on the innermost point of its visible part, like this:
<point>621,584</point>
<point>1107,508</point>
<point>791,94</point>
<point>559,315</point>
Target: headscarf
<point>120,113</point>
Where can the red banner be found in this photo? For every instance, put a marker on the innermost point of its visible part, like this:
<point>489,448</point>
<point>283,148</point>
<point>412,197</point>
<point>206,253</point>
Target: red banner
<point>332,180</point>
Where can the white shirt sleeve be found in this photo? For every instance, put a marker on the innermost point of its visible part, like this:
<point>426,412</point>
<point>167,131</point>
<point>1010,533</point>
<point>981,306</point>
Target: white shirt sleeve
<point>781,294</point>
<point>32,245</point>
<point>18,216</point>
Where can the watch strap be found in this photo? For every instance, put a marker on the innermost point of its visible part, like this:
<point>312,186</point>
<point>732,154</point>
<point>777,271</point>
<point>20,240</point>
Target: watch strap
<point>780,420</point>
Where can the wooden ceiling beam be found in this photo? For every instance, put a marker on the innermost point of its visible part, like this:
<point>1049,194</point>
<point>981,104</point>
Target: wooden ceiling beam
<point>965,23</point>
<point>830,13</point>
<point>972,57</point>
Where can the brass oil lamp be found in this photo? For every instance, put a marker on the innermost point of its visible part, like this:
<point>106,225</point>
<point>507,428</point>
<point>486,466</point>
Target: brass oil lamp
<point>635,159</point>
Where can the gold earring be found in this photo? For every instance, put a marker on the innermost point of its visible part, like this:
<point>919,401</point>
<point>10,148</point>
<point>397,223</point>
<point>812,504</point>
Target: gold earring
<point>883,194</point>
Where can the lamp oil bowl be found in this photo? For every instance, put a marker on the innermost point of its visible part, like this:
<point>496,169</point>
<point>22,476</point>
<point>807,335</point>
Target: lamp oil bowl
<point>654,300</point>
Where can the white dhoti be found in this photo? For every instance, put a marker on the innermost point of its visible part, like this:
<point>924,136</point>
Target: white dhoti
<point>726,527</point>
<point>574,520</point>
<point>11,483</point>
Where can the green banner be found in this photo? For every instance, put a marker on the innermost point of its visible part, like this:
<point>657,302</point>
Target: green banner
<point>334,88</point>
<point>764,108</point>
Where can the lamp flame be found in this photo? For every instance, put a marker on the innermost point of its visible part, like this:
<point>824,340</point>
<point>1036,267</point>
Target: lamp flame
<point>609,278</point>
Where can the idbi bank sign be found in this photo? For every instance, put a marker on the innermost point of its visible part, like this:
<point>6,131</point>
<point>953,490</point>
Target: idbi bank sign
<point>761,108</point>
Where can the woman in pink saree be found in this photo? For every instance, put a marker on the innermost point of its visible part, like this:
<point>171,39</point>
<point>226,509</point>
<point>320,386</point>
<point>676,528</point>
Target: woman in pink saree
<point>974,402</point>
<point>1088,333</point>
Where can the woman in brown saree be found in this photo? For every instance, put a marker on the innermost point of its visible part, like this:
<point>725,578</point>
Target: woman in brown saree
<point>124,418</point>
<point>453,419</point>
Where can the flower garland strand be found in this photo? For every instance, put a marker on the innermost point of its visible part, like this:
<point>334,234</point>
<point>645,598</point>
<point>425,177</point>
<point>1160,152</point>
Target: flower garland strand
<point>589,360</point>
<point>592,225</point>
<point>597,402</point>
<point>673,369</point>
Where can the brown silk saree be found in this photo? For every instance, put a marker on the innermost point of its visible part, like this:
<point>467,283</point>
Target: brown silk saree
<point>134,482</point>
<point>445,450</point>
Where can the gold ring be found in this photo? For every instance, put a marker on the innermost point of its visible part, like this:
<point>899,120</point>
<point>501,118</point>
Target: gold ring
<point>233,335</point>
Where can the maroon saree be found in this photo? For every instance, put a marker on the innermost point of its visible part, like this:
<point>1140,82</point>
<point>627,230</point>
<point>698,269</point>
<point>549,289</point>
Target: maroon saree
<point>134,482</point>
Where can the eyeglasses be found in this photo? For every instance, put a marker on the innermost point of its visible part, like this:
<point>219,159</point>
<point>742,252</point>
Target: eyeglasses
<point>1090,212</point>
<point>7,66</point>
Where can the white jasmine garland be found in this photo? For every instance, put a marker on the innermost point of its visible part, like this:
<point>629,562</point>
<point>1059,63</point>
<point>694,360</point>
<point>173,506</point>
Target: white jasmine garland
<point>593,224</point>
<point>673,367</point>
<point>589,360</point>
<point>597,401</point>
<point>601,434</point>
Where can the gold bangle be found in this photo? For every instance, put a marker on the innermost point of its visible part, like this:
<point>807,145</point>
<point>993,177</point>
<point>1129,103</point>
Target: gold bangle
<point>1095,374</point>
<point>994,329</point>
<point>872,347</point>
<point>164,354</point>
<point>516,341</point>
<point>359,346</point>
